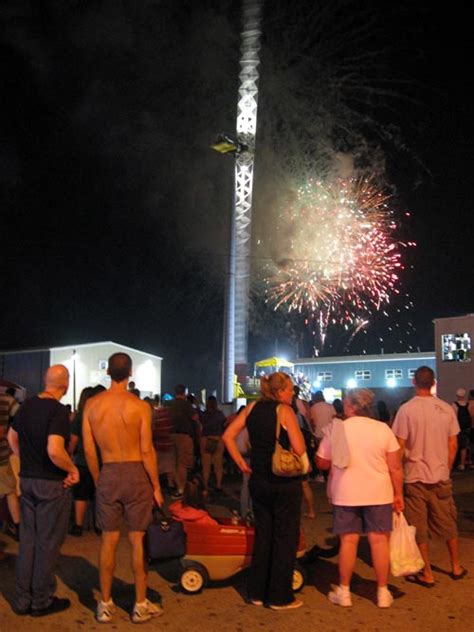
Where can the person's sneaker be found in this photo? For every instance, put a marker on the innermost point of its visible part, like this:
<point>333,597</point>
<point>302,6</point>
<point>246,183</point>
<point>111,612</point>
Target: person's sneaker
<point>75,530</point>
<point>177,494</point>
<point>340,597</point>
<point>56,605</point>
<point>105,611</point>
<point>384,598</point>
<point>319,479</point>
<point>145,611</point>
<point>288,606</point>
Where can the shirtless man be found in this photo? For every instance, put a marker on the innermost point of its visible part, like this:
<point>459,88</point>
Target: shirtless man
<point>120,424</point>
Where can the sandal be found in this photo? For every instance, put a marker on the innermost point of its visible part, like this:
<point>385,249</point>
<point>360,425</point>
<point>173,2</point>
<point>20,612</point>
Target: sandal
<point>416,579</point>
<point>460,575</point>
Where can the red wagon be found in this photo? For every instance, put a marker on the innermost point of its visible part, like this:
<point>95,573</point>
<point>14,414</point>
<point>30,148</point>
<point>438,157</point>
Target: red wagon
<point>217,552</point>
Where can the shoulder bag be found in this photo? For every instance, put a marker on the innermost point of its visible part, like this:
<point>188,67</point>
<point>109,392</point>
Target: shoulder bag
<point>286,462</point>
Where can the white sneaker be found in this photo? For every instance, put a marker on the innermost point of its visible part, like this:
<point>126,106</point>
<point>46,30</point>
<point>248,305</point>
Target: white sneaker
<point>384,598</point>
<point>105,611</point>
<point>340,597</point>
<point>145,611</point>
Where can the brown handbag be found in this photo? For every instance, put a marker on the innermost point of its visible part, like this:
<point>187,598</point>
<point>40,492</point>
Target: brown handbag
<point>286,462</point>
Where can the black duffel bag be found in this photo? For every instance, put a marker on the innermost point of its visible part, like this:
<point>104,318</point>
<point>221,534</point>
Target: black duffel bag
<point>165,538</point>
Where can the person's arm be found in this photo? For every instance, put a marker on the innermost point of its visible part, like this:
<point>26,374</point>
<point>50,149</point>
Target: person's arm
<point>149,455</point>
<point>88,443</point>
<point>322,464</point>
<point>13,441</point>
<point>324,448</point>
<point>58,454</point>
<point>230,435</point>
<point>452,450</point>
<point>289,421</point>
<point>396,475</point>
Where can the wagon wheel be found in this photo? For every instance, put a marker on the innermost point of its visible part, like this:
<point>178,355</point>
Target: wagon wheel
<point>299,578</point>
<point>194,578</point>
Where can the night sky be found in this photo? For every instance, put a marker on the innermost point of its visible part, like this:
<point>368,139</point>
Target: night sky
<point>115,212</point>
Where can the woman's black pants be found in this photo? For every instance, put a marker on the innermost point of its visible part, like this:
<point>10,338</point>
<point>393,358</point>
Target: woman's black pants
<point>277,509</point>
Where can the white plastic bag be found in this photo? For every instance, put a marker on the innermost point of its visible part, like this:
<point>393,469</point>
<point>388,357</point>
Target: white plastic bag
<point>405,557</point>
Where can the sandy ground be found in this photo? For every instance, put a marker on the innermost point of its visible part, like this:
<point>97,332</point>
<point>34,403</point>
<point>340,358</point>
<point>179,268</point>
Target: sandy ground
<point>448,606</point>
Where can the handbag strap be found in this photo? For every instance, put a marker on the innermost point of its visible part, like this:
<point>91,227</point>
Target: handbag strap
<point>278,427</point>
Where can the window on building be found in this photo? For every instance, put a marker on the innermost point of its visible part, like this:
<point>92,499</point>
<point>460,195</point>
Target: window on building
<point>363,375</point>
<point>411,373</point>
<point>456,348</point>
<point>393,374</point>
<point>324,376</point>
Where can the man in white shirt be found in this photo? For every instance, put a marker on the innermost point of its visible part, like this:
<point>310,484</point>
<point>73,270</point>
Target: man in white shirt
<point>321,413</point>
<point>426,428</point>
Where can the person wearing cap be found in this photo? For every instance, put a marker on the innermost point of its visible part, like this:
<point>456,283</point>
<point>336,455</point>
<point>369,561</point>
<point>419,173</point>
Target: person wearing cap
<point>461,408</point>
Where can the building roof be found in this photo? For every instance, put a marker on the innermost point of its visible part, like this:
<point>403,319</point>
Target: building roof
<point>383,357</point>
<point>79,346</point>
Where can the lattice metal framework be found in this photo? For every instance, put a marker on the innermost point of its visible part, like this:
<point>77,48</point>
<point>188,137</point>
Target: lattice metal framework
<point>237,300</point>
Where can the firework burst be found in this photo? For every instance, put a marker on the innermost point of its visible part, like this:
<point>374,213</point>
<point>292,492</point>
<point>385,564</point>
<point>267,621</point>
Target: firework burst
<point>344,259</point>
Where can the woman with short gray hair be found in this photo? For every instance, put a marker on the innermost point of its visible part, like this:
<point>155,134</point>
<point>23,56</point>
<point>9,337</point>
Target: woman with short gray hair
<point>365,487</point>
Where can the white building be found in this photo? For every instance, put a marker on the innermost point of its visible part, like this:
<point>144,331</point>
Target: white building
<point>87,364</point>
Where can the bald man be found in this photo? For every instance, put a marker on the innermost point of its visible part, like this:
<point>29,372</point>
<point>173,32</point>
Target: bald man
<point>39,436</point>
<point>119,423</point>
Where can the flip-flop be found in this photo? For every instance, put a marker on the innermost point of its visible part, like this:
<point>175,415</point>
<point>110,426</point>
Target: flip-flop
<point>460,575</point>
<point>416,579</point>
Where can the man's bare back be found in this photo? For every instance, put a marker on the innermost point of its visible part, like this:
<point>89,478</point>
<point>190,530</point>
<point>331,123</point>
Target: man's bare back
<point>117,420</point>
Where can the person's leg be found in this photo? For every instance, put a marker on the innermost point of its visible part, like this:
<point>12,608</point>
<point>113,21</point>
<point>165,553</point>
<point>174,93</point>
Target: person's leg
<point>262,549</point>
<point>286,507</point>
<point>380,556</point>
<point>206,462</point>
<point>416,513</point>
<point>53,508</point>
<point>80,507</point>
<point>13,503</point>
<point>309,499</point>
<point>138,564</point>
<point>347,557</point>
<point>453,548</point>
<point>107,551</point>
<point>26,552</point>
<point>218,463</point>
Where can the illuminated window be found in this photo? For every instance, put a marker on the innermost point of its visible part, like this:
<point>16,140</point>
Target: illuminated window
<point>363,375</point>
<point>393,374</point>
<point>411,373</point>
<point>456,348</point>
<point>324,376</point>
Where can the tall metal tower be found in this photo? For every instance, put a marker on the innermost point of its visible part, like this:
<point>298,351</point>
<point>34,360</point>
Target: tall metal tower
<point>238,282</point>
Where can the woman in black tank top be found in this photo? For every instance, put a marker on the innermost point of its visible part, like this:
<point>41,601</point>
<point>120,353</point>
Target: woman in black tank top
<point>276,500</point>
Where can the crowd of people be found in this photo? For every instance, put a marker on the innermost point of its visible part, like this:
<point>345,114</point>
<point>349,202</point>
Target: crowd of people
<point>118,451</point>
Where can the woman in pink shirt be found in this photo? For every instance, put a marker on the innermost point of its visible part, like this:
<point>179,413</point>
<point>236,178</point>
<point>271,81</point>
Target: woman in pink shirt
<point>365,487</point>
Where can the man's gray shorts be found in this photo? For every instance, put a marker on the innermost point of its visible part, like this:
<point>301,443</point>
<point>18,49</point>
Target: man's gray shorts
<point>366,519</point>
<point>124,490</point>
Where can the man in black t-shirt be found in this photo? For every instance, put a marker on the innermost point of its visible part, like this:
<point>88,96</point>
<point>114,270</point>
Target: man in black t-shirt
<point>39,435</point>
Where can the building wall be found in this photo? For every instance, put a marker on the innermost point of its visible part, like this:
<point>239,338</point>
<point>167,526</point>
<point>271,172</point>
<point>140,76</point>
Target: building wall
<point>342,369</point>
<point>393,388</point>
<point>26,368</point>
<point>88,367</point>
<point>452,374</point>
